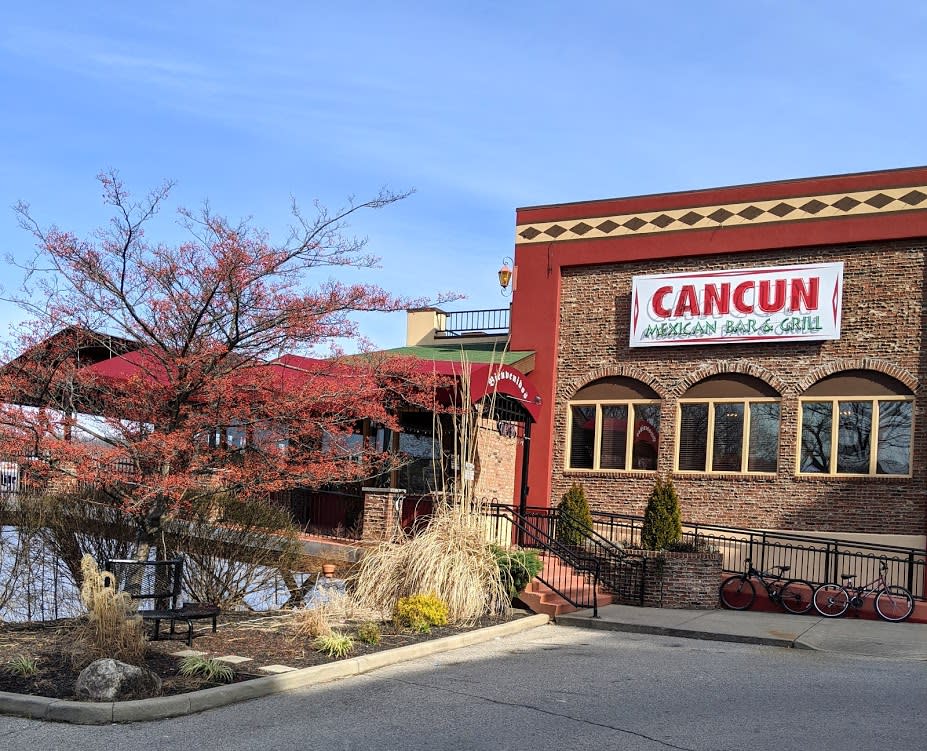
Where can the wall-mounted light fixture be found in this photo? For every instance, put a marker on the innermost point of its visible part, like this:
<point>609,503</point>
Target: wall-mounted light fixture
<point>505,274</point>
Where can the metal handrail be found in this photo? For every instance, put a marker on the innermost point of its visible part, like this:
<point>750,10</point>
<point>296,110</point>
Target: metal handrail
<point>583,566</point>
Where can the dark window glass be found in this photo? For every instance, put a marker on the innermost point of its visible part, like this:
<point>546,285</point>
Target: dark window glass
<point>646,437</point>
<point>614,436</point>
<point>854,439</point>
<point>582,437</point>
<point>728,443</point>
<point>764,437</point>
<point>693,437</point>
<point>894,457</point>
<point>816,419</point>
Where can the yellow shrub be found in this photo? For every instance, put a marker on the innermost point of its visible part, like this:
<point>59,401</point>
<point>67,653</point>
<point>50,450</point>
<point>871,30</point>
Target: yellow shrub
<point>420,612</point>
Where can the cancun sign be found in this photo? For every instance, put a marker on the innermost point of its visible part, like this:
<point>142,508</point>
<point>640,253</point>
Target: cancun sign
<point>785,304</point>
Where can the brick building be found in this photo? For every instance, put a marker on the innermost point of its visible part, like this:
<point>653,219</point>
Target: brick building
<point>763,343</point>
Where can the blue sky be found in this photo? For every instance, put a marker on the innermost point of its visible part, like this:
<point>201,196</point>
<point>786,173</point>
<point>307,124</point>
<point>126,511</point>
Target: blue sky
<point>481,107</point>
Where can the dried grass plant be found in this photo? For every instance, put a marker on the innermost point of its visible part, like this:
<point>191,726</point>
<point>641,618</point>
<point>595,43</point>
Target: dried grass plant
<point>112,627</point>
<point>451,556</point>
<point>309,623</point>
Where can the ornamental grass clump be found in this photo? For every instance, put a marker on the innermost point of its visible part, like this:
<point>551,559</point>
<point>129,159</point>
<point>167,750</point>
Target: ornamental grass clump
<point>451,558</point>
<point>336,644</point>
<point>208,668</point>
<point>309,623</point>
<point>112,627</point>
<point>22,665</point>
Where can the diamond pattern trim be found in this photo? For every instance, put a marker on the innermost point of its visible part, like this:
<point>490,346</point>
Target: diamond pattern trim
<point>860,203</point>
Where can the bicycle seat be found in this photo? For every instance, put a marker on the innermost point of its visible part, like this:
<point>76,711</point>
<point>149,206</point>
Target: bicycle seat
<point>847,576</point>
<point>783,569</point>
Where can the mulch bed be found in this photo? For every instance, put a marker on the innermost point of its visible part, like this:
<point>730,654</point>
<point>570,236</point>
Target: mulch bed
<point>265,638</point>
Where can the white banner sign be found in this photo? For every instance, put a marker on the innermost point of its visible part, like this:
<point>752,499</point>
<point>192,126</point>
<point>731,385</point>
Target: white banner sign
<point>784,304</point>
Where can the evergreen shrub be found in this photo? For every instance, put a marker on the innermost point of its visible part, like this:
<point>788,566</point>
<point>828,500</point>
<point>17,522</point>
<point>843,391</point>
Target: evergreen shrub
<point>662,519</point>
<point>574,516</point>
<point>517,568</point>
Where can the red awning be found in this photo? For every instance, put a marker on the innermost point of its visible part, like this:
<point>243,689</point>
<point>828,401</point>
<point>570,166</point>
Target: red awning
<point>291,370</point>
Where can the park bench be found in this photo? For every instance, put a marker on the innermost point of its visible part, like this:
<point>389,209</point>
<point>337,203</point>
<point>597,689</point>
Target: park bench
<point>159,583</point>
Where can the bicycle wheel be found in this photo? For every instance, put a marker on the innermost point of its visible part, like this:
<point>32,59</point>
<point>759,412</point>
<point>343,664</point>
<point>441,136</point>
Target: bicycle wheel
<point>797,596</point>
<point>894,604</point>
<point>831,600</point>
<point>737,593</point>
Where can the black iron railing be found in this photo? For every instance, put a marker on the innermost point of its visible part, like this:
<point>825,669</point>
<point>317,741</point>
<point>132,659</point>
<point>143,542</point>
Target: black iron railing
<point>492,322</point>
<point>576,581</point>
<point>817,559</point>
<point>622,574</point>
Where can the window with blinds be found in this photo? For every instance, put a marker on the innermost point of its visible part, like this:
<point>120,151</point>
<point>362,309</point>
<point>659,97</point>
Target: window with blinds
<point>613,436</point>
<point>728,435</point>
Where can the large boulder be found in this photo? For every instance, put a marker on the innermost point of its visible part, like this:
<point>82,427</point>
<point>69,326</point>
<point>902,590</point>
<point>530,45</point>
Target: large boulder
<point>111,680</point>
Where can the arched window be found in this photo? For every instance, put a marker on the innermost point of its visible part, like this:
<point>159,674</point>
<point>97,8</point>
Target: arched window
<point>856,422</point>
<point>728,423</point>
<point>614,424</point>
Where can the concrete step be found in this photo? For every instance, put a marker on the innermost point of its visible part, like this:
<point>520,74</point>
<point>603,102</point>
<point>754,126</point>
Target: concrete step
<point>540,598</point>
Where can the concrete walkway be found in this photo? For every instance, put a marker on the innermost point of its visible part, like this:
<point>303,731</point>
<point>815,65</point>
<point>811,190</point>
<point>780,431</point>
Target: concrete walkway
<point>848,635</point>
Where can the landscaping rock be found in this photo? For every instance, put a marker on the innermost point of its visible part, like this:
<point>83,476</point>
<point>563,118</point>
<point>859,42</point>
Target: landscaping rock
<point>111,680</point>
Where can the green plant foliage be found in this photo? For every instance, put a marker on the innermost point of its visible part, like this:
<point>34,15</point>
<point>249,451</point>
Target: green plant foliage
<point>574,516</point>
<point>420,613</point>
<point>517,568</point>
<point>662,519</point>
<point>336,644</point>
<point>208,668</point>
<point>369,633</point>
<point>21,665</point>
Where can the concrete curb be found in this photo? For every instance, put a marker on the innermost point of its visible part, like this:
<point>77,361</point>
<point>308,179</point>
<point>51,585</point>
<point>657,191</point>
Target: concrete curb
<point>683,633</point>
<point>103,713</point>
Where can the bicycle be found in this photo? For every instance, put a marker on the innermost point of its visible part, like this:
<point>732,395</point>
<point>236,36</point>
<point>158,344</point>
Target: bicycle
<point>892,602</point>
<point>738,592</point>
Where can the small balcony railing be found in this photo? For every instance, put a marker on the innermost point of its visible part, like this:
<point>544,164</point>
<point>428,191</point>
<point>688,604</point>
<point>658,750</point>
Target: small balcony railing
<point>493,322</point>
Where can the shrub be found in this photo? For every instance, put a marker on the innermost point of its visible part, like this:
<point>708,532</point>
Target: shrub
<point>234,548</point>
<point>517,568</point>
<point>369,633</point>
<point>207,668</point>
<point>113,627</point>
<point>336,644</point>
<point>662,518</point>
<point>574,517</point>
<point>420,613</point>
<point>21,665</point>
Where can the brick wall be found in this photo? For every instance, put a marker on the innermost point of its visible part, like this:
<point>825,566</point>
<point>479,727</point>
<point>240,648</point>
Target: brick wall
<point>682,580</point>
<point>494,470</point>
<point>883,325</point>
<point>381,519</point>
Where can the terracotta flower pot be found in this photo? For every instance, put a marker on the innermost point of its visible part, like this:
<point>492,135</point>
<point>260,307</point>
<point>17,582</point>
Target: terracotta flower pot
<point>328,570</point>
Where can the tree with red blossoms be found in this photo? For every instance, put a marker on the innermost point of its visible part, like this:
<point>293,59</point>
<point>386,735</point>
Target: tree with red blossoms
<point>161,374</point>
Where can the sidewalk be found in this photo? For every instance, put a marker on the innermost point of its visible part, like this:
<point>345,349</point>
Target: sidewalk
<point>847,635</point>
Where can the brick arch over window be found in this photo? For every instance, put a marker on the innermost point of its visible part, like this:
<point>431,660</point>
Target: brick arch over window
<point>736,367</point>
<point>863,363</point>
<point>622,371</point>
